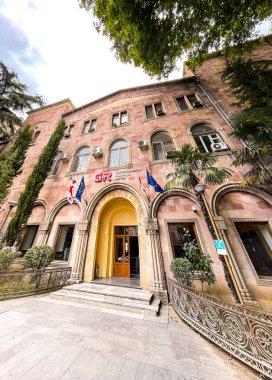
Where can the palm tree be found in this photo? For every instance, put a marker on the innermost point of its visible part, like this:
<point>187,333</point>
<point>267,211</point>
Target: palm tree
<point>192,166</point>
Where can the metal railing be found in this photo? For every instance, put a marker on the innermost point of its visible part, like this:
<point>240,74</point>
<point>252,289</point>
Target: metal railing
<point>244,332</point>
<point>19,283</point>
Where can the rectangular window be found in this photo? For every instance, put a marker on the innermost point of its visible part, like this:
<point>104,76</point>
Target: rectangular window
<point>89,126</point>
<point>68,131</point>
<point>181,233</point>
<point>257,240</point>
<point>153,110</point>
<point>188,102</point>
<point>182,103</point>
<point>64,242</point>
<point>29,238</point>
<point>158,152</point>
<point>119,118</point>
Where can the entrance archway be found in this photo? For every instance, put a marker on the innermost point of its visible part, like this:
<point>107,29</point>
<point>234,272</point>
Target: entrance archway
<point>117,252</point>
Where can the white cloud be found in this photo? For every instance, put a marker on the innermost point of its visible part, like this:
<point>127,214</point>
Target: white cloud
<point>77,61</point>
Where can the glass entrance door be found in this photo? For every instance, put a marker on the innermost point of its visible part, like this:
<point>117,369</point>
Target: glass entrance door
<point>126,251</point>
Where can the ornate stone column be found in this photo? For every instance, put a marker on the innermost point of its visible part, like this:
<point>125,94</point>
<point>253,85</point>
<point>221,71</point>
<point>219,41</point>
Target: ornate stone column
<point>222,228</point>
<point>151,227</point>
<point>43,231</point>
<point>78,267</point>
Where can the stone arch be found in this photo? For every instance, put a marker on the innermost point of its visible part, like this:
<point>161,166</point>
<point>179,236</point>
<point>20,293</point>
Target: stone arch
<point>232,187</point>
<point>59,205</point>
<point>113,202</point>
<point>215,126</point>
<point>179,192</point>
<point>107,189</point>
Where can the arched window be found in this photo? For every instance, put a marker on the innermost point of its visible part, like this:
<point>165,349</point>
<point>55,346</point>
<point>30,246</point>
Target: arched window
<point>161,145</point>
<point>118,153</point>
<point>35,138</point>
<point>56,163</point>
<point>81,159</point>
<point>207,139</point>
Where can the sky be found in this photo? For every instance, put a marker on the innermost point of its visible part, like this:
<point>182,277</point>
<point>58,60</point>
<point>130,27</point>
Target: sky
<point>56,51</point>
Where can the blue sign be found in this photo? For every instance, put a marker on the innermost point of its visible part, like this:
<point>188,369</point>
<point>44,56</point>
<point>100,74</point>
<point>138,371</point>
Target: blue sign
<point>220,247</point>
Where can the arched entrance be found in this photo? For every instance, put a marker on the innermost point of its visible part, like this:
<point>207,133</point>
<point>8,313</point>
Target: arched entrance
<point>117,252</point>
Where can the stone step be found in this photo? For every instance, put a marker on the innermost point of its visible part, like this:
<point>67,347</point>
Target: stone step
<point>137,301</point>
<point>138,296</point>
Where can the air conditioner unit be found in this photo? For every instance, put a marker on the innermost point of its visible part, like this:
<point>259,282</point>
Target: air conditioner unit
<point>143,144</point>
<point>197,104</point>
<point>217,147</point>
<point>65,157</point>
<point>169,154</point>
<point>97,152</point>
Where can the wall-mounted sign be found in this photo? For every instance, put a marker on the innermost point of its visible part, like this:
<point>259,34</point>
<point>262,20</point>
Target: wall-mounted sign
<point>104,176</point>
<point>220,247</point>
<point>119,174</point>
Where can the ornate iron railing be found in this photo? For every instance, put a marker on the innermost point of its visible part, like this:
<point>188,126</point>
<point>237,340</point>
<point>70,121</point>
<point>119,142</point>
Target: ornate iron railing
<point>244,332</point>
<point>19,283</point>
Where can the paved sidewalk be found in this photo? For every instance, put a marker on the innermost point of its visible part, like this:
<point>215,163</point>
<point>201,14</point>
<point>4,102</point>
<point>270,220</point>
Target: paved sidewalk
<point>40,339</point>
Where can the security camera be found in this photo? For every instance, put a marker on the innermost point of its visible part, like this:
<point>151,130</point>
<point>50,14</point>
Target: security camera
<point>194,208</point>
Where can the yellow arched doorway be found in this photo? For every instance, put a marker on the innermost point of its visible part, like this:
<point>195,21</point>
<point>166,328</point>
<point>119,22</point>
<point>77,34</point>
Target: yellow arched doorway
<point>117,252</point>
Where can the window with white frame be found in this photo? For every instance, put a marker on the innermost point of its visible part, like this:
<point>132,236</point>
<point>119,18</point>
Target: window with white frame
<point>162,146</point>
<point>154,110</point>
<point>188,102</point>
<point>119,118</point>
<point>56,163</point>
<point>118,155</point>
<point>89,126</point>
<point>81,159</point>
<point>68,131</point>
<point>207,139</point>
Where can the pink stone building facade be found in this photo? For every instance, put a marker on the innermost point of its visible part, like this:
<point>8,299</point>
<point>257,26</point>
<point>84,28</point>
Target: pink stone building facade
<point>114,231</point>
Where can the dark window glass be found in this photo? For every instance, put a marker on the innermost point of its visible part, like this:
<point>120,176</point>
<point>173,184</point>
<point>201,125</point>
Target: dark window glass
<point>192,98</point>
<point>64,242</point>
<point>179,234</point>
<point>158,151</point>
<point>56,163</point>
<point>149,111</point>
<point>29,237</point>
<point>86,127</point>
<point>182,103</point>
<point>159,110</point>
<point>257,240</point>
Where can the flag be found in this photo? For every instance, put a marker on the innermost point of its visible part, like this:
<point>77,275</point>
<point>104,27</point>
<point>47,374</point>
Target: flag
<point>143,189</point>
<point>80,189</point>
<point>73,184</point>
<point>151,181</point>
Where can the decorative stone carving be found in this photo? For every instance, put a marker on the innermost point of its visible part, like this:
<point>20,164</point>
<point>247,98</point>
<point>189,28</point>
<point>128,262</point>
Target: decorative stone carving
<point>82,226</point>
<point>44,227</point>
<point>151,225</point>
<point>220,223</point>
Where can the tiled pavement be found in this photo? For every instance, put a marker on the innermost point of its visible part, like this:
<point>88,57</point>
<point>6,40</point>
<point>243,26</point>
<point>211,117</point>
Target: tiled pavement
<point>51,340</point>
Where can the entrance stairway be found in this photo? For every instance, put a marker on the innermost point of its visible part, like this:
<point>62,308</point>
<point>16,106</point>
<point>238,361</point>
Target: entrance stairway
<point>114,299</point>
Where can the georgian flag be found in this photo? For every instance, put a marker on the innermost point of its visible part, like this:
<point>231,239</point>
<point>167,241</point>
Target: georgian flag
<point>143,189</point>
<point>72,186</point>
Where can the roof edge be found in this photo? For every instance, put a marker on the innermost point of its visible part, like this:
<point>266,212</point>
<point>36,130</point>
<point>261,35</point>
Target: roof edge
<point>67,100</point>
<point>158,84</point>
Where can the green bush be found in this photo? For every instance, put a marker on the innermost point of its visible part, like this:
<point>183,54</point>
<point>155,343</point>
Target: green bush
<point>194,262</point>
<point>7,256</point>
<point>182,269</point>
<point>38,257</point>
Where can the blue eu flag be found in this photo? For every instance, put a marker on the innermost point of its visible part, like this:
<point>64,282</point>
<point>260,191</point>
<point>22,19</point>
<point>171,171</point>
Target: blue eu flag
<point>80,189</point>
<point>151,181</point>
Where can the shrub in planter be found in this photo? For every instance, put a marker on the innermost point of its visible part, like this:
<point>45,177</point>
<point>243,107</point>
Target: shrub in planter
<point>7,256</point>
<point>38,257</point>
